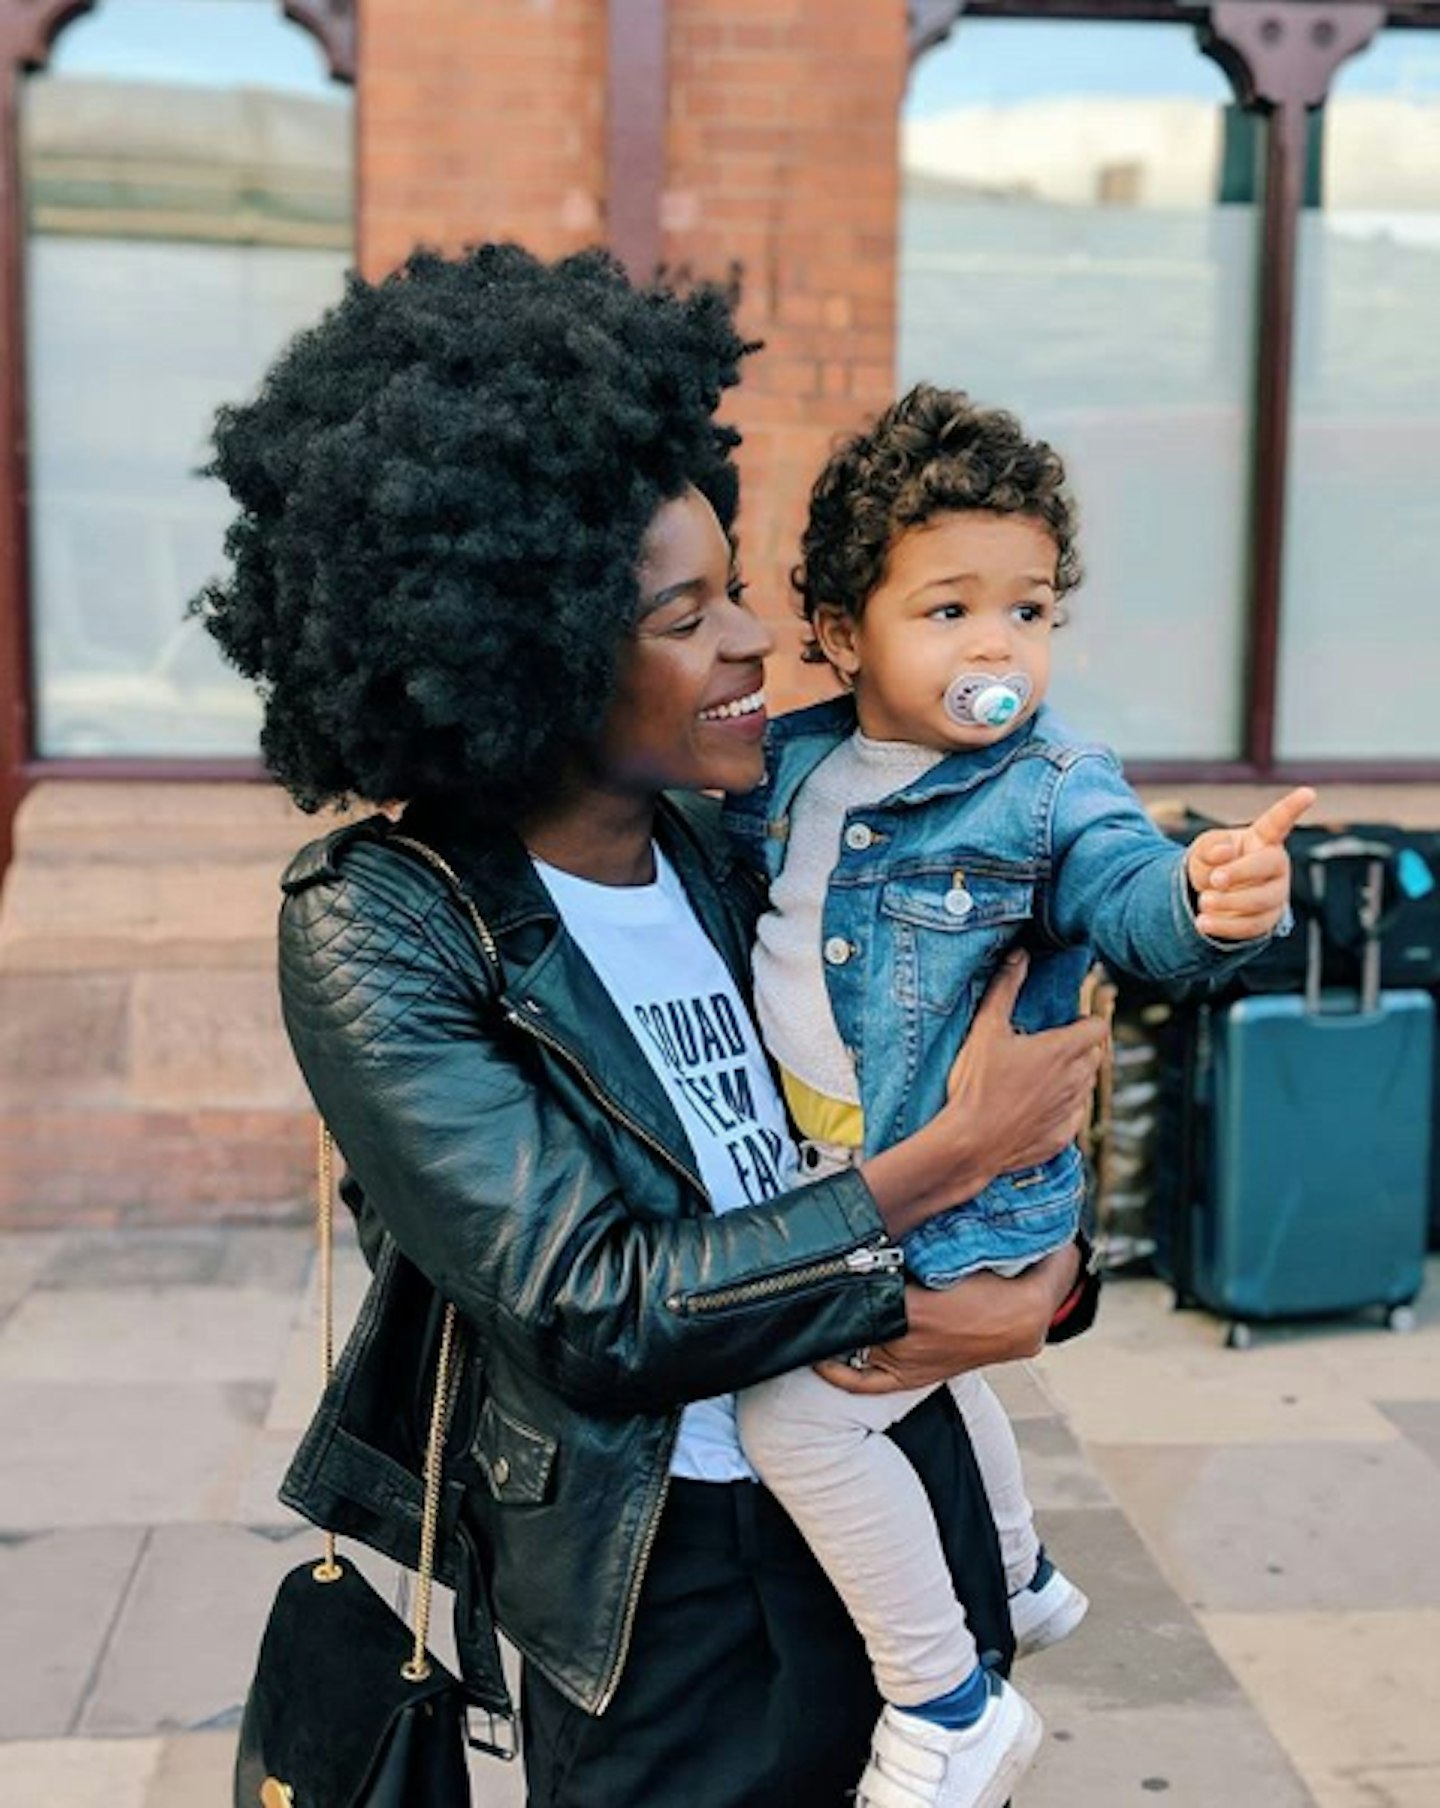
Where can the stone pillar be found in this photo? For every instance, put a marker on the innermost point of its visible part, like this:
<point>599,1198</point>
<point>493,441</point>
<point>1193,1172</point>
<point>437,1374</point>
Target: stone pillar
<point>144,1073</point>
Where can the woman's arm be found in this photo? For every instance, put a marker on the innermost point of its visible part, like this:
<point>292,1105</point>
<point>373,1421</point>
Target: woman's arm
<point>981,1320</point>
<point>508,1195</point>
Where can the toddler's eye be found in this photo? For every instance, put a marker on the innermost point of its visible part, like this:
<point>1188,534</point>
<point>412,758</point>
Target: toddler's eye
<point>1032,612</point>
<point>948,612</point>
<point>736,589</point>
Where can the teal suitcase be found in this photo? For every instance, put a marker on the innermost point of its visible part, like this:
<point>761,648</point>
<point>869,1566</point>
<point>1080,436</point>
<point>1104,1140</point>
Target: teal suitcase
<point>1313,1185</point>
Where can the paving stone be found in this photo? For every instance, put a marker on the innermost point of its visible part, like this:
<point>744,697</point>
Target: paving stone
<point>1418,1420</point>
<point>1354,1698</point>
<point>1021,1389</point>
<point>274,1258</point>
<point>1171,1757</point>
<point>195,1770</point>
<point>146,1334</point>
<point>79,1454</point>
<point>1057,1472</point>
<point>79,1773</point>
<point>1152,1375</point>
<point>1140,1647</point>
<point>24,1256</point>
<point>183,1649</point>
<point>59,1592</point>
<point>1285,1527</point>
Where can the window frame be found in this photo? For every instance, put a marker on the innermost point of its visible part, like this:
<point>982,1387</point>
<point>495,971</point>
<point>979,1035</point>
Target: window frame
<point>1281,82</point>
<point>28,32</point>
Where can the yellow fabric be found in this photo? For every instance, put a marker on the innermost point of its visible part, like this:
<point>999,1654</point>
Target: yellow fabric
<point>821,1119</point>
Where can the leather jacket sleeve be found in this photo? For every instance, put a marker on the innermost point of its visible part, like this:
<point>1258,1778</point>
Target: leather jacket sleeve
<point>495,1184</point>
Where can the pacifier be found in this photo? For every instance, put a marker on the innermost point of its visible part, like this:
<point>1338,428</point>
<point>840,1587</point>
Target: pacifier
<point>981,700</point>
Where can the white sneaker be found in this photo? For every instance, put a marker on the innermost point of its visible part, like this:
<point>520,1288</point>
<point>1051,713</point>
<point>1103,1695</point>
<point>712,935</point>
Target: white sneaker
<point>916,1764</point>
<point>1046,1610</point>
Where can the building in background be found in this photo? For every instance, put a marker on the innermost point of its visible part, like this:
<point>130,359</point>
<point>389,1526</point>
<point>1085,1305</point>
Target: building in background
<point>1197,245</point>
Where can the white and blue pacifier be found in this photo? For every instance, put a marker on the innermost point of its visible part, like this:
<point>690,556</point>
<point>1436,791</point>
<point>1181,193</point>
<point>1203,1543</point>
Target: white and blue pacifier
<point>981,700</point>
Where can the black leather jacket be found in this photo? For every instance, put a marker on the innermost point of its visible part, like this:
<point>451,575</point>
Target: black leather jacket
<point>507,1142</point>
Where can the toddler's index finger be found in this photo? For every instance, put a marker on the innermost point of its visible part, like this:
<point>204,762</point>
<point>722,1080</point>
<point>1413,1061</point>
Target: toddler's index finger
<point>1273,825</point>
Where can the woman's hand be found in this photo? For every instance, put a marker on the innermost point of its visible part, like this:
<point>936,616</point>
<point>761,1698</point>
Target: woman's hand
<point>981,1320</point>
<point>1014,1101</point>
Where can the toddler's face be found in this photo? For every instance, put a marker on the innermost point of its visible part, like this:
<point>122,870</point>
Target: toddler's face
<point>964,592</point>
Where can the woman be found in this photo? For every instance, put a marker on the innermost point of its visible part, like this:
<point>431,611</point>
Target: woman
<point>482,562</point>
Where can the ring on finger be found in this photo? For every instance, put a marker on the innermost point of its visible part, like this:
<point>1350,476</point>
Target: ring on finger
<point>859,1360</point>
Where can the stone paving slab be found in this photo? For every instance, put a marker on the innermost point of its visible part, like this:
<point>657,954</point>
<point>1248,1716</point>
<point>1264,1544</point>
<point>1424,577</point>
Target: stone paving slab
<point>183,1648</point>
<point>1354,1698</point>
<point>1285,1527</point>
<point>146,1334</point>
<point>59,1594</point>
<point>76,1454</point>
<point>1140,1647</point>
<point>1171,1757</point>
<point>275,1258</point>
<point>1057,1472</point>
<point>1417,1420</point>
<point>81,1773</point>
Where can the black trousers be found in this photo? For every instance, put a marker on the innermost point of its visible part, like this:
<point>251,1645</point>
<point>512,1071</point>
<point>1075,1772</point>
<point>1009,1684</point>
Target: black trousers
<point>746,1685</point>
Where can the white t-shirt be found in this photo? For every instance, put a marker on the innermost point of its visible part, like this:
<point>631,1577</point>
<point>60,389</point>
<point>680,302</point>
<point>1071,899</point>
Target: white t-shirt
<point>675,992</point>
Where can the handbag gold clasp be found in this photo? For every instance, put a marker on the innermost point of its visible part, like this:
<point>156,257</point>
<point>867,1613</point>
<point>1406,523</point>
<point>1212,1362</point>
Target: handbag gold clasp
<point>275,1794</point>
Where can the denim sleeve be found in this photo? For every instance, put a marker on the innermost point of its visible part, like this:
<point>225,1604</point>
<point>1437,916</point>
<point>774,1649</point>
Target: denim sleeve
<point>1119,884</point>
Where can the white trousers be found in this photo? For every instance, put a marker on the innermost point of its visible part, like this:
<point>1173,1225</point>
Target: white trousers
<point>866,1516</point>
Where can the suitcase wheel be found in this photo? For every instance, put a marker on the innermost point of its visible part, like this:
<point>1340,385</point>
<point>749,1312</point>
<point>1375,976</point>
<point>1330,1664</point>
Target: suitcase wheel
<point>1239,1337</point>
<point>1401,1319</point>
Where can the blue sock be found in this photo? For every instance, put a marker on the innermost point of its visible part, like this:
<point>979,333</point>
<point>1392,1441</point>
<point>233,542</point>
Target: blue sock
<point>961,1707</point>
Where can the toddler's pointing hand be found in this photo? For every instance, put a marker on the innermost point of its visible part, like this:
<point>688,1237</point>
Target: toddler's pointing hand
<point>1241,876</point>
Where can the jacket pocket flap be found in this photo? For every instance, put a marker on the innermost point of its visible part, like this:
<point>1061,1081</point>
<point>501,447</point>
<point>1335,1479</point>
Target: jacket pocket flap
<point>959,900</point>
<point>514,1458</point>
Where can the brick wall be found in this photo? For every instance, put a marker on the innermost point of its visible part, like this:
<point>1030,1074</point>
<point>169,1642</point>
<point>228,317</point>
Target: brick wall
<point>781,155</point>
<point>480,119</point>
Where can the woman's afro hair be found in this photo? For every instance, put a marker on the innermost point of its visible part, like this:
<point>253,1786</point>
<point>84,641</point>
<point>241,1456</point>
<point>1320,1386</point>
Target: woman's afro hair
<point>442,488</point>
<point>931,453</point>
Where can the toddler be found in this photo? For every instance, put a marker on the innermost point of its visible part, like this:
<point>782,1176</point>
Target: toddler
<point>912,832</point>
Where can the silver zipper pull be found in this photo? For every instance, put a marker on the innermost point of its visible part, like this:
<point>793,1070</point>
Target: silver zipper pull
<point>873,1256</point>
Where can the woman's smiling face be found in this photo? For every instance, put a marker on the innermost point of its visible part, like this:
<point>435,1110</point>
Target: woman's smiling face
<point>689,709</point>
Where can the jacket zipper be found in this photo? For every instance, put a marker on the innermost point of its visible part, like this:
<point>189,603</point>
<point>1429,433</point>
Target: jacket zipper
<point>871,1258</point>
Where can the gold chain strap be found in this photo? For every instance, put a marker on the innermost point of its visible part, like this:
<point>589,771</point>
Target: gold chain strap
<point>417,1667</point>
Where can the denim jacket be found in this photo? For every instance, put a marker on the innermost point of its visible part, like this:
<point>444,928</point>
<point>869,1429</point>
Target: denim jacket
<point>1035,839</point>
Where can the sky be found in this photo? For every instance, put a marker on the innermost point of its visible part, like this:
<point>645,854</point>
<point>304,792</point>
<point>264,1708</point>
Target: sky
<point>210,43</point>
<point>993,61</point>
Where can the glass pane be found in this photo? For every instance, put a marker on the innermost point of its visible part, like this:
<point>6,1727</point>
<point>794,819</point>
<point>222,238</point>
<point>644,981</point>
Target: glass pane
<point>1360,647</point>
<point>188,189</point>
<point>1065,252</point>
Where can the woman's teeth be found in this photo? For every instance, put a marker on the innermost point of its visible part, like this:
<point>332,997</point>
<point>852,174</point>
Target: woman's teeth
<point>742,706</point>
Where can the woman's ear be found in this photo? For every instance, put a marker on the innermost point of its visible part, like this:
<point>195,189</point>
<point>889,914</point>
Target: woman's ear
<point>835,636</point>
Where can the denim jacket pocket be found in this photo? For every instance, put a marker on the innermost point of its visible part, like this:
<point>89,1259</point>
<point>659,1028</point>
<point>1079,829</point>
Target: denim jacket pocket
<point>949,928</point>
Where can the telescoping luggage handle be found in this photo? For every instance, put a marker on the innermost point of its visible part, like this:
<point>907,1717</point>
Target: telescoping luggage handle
<point>1376,856</point>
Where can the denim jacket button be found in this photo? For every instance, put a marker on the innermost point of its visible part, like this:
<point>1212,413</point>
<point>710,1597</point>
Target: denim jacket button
<point>958,902</point>
<point>858,837</point>
<point>837,950</point>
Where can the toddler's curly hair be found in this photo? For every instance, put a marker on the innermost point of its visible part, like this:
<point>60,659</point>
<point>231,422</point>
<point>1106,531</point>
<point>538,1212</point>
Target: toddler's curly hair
<point>933,452</point>
<point>443,488</point>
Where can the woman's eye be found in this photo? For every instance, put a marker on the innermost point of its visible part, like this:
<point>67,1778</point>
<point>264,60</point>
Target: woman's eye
<point>682,629</point>
<point>736,589</point>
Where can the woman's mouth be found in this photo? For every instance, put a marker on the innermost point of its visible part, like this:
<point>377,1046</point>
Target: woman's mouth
<point>739,709</point>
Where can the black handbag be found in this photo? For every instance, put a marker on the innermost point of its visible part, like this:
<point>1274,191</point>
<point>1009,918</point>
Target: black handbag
<point>348,1709</point>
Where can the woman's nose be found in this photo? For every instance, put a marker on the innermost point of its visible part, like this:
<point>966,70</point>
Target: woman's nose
<point>749,637</point>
